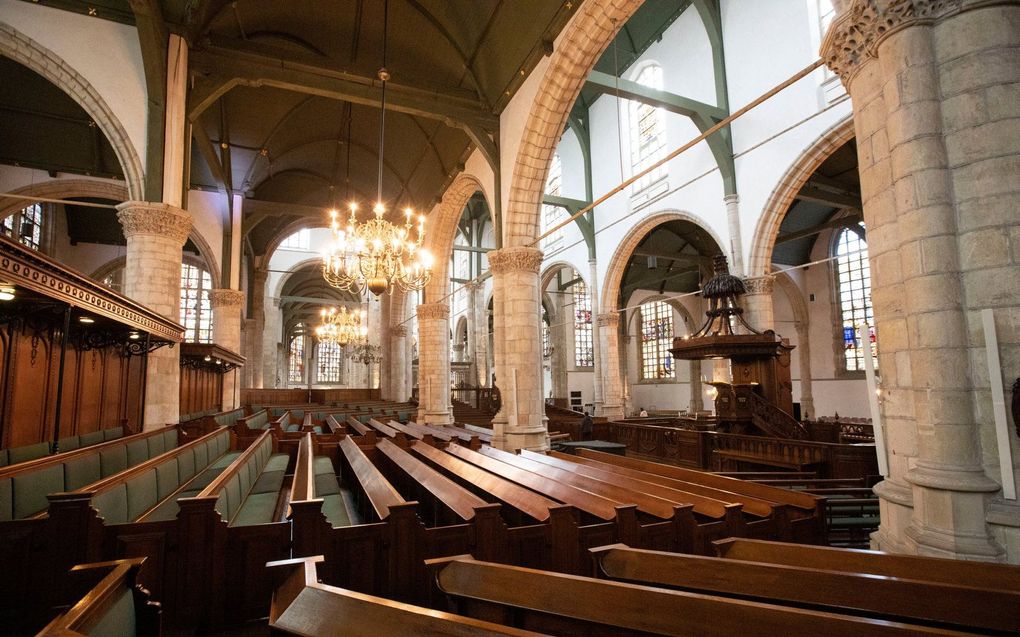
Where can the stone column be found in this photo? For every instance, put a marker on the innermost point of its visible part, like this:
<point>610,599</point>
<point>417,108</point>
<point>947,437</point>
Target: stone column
<point>515,271</point>
<point>499,421</point>
<point>757,303</point>
<point>933,85</point>
<point>155,234</point>
<point>598,353</point>
<point>226,306</point>
<point>807,400</point>
<point>558,360</point>
<point>274,363</point>
<point>697,402</point>
<point>258,311</point>
<point>398,363</point>
<point>736,241</point>
<point>480,339</point>
<point>612,389</point>
<point>249,343</point>
<point>434,364</point>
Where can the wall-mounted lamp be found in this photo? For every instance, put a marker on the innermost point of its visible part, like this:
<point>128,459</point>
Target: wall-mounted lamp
<point>88,320</point>
<point>134,336</point>
<point>6,292</point>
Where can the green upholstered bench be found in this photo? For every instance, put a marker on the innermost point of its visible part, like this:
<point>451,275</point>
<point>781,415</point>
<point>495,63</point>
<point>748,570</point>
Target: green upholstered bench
<point>148,488</point>
<point>248,490</point>
<point>24,489</point>
<point>27,453</point>
<point>327,487</point>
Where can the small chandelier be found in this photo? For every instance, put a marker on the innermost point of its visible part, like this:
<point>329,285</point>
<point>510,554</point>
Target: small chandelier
<point>340,326</point>
<point>377,255</point>
<point>366,353</point>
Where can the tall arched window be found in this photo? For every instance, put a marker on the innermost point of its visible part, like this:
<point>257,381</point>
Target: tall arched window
<point>553,215</point>
<point>584,354</point>
<point>854,294</point>
<point>196,312</point>
<point>296,362</point>
<point>656,340</point>
<point>331,363</point>
<point>25,226</point>
<point>647,131</point>
<point>300,240</point>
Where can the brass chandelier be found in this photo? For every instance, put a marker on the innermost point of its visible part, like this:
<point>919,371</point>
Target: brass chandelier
<point>377,255</point>
<point>341,327</point>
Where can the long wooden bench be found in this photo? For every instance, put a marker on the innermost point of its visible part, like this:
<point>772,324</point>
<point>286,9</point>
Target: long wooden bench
<point>551,602</point>
<point>26,453</point>
<point>303,607</point>
<point>956,572</point>
<point>315,487</point>
<point>907,599</point>
<point>448,434</point>
<point>116,606</point>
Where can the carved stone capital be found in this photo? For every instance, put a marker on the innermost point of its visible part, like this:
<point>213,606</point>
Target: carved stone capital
<point>225,297</point>
<point>427,311</point>
<point>609,319</point>
<point>399,331</point>
<point>854,35</point>
<point>158,219</point>
<point>760,284</point>
<point>515,259</point>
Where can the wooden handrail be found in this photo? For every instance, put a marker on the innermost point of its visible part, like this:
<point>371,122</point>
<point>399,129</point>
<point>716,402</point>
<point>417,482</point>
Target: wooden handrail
<point>82,617</point>
<point>303,486</point>
<point>453,496</point>
<point>377,488</point>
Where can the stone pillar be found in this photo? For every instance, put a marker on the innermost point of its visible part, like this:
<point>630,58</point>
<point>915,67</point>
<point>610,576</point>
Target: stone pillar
<point>398,363</point>
<point>434,364</point>
<point>558,360</point>
<point>697,402</point>
<point>258,312</point>
<point>598,353</point>
<point>499,421</point>
<point>625,354</point>
<point>807,400</point>
<point>226,306</point>
<point>274,363</point>
<point>519,359</point>
<point>757,303</point>
<point>736,241</point>
<point>933,85</point>
<point>155,234</point>
<point>612,384</point>
<point>480,339</point>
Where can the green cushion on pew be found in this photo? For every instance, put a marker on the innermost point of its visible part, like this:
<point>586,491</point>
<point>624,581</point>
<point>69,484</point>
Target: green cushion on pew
<point>335,511</point>
<point>278,462</point>
<point>167,478</point>
<point>112,504</point>
<point>326,484</point>
<point>157,445</point>
<point>81,471</point>
<point>113,460</point>
<point>258,508</point>
<point>141,494</point>
<point>137,452</point>
<point>317,429</point>
<point>29,452</point>
<point>119,618</point>
<point>4,458</point>
<point>322,464</point>
<point>186,465</point>
<point>68,444</point>
<point>269,481</point>
<point>6,500</point>
<point>225,459</point>
<point>293,428</point>
<point>113,432</point>
<point>30,490</point>
<point>92,438</point>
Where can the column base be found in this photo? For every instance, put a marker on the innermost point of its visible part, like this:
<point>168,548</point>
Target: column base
<point>611,412</point>
<point>435,418</point>
<point>532,439</point>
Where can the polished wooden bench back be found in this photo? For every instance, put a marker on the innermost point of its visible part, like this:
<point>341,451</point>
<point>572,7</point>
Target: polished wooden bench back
<point>907,600</point>
<point>379,493</point>
<point>932,569</point>
<point>573,605</point>
<point>116,606</point>
<point>303,607</point>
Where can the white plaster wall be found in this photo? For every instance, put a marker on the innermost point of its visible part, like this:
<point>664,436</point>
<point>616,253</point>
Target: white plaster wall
<point>105,53</point>
<point>208,210</point>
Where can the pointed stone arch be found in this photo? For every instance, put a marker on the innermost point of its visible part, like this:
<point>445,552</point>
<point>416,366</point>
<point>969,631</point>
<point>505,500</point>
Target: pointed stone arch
<point>442,231</point>
<point>29,53</point>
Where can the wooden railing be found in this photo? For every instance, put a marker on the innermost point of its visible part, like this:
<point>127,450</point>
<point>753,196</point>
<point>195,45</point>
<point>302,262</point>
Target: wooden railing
<point>773,420</point>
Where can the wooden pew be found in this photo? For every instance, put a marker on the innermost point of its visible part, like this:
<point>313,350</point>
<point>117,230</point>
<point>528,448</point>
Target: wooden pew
<point>117,605</point>
<point>410,433</point>
<point>303,607</point>
<point>436,433</point>
<point>805,512</point>
<point>908,600</point>
<point>932,569</point>
<point>380,428</point>
<point>448,434</point>
<point>552,602</point>
<point>352,426</point>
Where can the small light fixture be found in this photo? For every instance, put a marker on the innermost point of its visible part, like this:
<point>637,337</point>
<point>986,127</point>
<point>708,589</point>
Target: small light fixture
<point>88,320</point>
<point>207,358</point>
<point>134,336</point>
<point>219,362</point>
<point>6,292</point>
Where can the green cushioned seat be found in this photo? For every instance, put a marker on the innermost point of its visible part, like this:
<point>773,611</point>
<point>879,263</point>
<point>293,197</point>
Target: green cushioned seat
<point>322,464</point>
<point>137,452</point>
<point>317,429</point>
<point>335,511</point>
<point>167,478</point>
<point>119,618</point>
<point>201,456</point>
<point>29,490</point>
<point>29,452</point>
<point>293,428</point>
<point>92,438</point>
<point>81,471</point>
<point>268,481</point>
<point>157,445</point>
<point>113,460</point>
<point>205,478</point>
<point>223,461</point>
<point>186,465</point>
<point>4,458</point>
<point>113,433</point>
<point>258,508</point>
<point>141,494</point>
<point>278,462</point>
<point>68,444</point>
<point>6,500</point>
<point>326,485</point>
<point>112,504</point>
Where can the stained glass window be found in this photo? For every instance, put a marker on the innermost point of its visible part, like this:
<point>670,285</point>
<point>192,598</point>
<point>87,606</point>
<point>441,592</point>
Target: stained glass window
<point>584,354</point>
<point>196,312</point>
<point>553,215</point>
<point>656,340</point>
<point>854,286</point>
<point>296,364</point>
<point>647,131</point>
<point>330,363</point>
<point>25,226</point>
